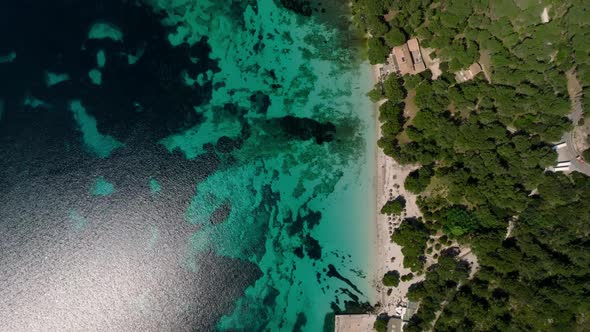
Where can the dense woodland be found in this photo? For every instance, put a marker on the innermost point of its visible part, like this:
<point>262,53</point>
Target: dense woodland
<point>483,147</point>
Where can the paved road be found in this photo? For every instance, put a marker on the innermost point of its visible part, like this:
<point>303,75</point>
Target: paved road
<point>569,152</point>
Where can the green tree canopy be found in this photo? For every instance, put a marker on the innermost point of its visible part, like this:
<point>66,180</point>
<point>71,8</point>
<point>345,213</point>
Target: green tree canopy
<point>376,26</point>
<point>395,37</point>
<point>394,207</point>
<point>391,111</point>
<point>394,90</point>
<point>377,50</point>
<point>380,324</point>
<point>391,279</point>
<point>457,221</point>
<point>412,235</point>
<point>485,145</point>
<point>418,180</point>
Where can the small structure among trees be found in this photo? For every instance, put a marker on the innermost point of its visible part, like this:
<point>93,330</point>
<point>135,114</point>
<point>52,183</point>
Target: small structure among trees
<point>407,58</point>
<point>468,74</point>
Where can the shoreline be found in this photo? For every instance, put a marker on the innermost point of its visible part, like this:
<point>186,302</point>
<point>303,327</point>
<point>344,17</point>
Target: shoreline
<point>388,182</point>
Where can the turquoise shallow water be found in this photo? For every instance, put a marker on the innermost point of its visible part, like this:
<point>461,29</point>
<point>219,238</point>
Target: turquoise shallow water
<point>319,79</point>
<point>213,174</point>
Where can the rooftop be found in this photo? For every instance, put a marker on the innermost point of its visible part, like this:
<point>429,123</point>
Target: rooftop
<point>403,59</point>
<point>407,58</point>
<point>395,324</point>
<point>354,323</point>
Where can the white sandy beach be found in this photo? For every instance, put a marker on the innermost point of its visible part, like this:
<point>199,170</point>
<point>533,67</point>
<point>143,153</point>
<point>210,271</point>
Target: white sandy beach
<point>389,180</point>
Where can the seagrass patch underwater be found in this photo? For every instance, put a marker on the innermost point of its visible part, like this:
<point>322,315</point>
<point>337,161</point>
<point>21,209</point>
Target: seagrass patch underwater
<point>182,165</point>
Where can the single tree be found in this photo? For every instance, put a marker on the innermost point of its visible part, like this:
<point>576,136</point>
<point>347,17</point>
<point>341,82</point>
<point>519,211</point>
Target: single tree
<point>391,279</point>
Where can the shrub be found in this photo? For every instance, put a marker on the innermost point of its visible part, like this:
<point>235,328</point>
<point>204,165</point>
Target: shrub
<point>394,207</point>
<point>395,37</point>
<point>376,26</point>
<point>375,95</point>
<point>390,111</point>
<point>378,51</point>
<point>418,180</point>
<point>407,277</point>
<point>394,90</point>
<point>380,325</point>
<point>391,279</point>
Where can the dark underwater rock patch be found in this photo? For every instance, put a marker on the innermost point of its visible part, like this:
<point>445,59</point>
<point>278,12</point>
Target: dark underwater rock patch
<point>312,247</point>
<point>301,7</point>
<point>260,101</point>
<point>306,129</point>
<point>154,82</point>
<point>333,273</point>
<point>300,322</point>
<point>221,213</point>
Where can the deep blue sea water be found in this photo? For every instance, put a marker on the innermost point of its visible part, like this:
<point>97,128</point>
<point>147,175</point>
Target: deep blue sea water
<point>187,165</point>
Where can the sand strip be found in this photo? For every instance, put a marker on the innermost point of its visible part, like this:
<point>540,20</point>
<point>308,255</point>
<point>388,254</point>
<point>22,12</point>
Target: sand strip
<point>390,178</point>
